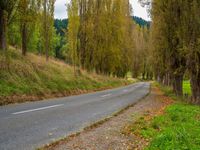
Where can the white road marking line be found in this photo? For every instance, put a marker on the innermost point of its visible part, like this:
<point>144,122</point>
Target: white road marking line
<point>37,109</point>
<point>106,95</point>
<point>125,90</point>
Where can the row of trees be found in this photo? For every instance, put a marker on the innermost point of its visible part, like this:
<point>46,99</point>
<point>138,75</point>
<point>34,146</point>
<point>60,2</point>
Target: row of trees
<point>176,43</point>
<point>27,22</point>
<point>102,37</point>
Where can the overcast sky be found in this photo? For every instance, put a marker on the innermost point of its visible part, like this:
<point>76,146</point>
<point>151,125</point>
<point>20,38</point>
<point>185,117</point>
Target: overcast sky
<point>60,9</point>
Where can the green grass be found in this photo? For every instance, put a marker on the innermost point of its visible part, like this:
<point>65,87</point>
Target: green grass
<point>168,91</point>
<point>32,75</point>
<point>177,129</point>
<point>186,87</point>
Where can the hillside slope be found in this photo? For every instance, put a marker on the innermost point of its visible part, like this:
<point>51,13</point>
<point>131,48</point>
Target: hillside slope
<point>31,78</point>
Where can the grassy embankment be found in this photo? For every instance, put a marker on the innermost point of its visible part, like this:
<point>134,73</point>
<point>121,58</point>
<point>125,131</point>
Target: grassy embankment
<point>178,127</point>
<point>31,78</point>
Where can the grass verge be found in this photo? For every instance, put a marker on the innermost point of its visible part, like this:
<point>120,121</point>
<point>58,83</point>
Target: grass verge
<point>176,127</point>
<point>186,87</point>
<point>31,78</point>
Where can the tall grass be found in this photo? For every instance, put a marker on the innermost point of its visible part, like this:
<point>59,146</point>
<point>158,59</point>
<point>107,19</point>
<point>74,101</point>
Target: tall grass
<point>32,75</point>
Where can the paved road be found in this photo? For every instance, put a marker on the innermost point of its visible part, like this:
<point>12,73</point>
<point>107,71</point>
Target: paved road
<point>31,125</point>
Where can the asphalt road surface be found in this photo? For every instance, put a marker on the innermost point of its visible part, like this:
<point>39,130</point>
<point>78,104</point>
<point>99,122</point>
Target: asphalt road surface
<point>31,125</point>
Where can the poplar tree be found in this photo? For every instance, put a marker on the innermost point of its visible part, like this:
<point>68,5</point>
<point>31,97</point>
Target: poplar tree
<point>28,19</point>
<point>47,21</point>
<point>168,45</point>
<point>73,28</point>
<point>190,35</point>
<point>102,35</point>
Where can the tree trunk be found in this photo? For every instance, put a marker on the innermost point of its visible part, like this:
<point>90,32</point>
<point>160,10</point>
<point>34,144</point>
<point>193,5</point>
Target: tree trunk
<point>170,80</point>
<point>147,76</point>
<point>47,51</point>
<point>46,31</point>
<point>178,85</point>
<point>195,86</point>
<point>166,80</point>
<point>143,75</point>
<point>161,78</point>
<point>3,32</point>
<point>134,75</point>
<point>24,39</point>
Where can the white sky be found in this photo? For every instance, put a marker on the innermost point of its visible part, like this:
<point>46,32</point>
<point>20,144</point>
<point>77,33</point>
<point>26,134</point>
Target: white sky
<point>60,9</point>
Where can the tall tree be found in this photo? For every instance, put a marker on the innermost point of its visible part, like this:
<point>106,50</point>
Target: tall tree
<point>7,10</point>
<point>47,20</point>
<point>168,45</point>
<point>190,35</point>
<point>99,35</point>
<point>28,18</point>
<point>73,28</point>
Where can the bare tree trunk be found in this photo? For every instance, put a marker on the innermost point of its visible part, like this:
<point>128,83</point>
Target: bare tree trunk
<point>3,32</point>
<point>24,39</point>
<point>195,85</point>
<point>178,85</point>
